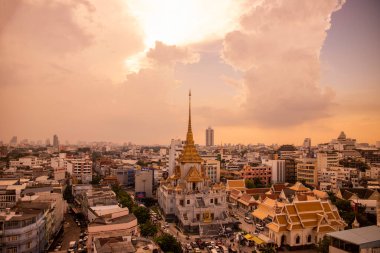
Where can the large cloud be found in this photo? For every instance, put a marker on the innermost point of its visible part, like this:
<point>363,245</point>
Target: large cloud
<point>278,48</point>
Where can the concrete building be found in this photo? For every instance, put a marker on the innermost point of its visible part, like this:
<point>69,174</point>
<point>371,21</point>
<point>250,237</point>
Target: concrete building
<point>212,168</point>
<point>125,225</point>
<point>278,170</point>
<point>29,226</point>
<point>176,148</point>
<point>290,171</point>
<point>189,197</point>
<point>307,143</point>
<point>55,141</point>
<point>307,170</point>
<point>327,159</point>
<point>263,173</point>
<point>125,175</point>
<point>209,137</point>
<point>362,240</point>
<point>81,168</point>
<point>144,183</point>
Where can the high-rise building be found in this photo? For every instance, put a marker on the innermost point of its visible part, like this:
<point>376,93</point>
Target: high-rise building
<point>307,143</point>
<point>209,137</point>
<point>55,141</point>
<point>13,141</point>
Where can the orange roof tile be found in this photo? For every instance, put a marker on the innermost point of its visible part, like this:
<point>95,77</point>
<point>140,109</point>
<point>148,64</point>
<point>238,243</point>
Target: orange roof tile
<point>308,206</point>
<point>326,206</point>
<point>310,223</point>
<point>273,227</point>
<point>290,209</point>
<point>326,229</point>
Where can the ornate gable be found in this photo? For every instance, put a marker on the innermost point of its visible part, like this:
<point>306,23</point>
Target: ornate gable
<point>193,175</point>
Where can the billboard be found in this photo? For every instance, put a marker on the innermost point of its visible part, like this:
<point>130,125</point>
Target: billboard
<point>140,195</point>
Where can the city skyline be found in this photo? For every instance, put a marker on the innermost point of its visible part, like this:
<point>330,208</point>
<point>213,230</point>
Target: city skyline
<point>269,73</point>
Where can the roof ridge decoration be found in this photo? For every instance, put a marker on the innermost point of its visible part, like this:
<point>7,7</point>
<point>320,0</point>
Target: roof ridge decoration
<point>190,153</point>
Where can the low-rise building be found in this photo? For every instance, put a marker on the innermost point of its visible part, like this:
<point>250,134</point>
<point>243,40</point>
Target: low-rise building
<point>125,225</point>
<point>362,240</point>
<point>304,223</point>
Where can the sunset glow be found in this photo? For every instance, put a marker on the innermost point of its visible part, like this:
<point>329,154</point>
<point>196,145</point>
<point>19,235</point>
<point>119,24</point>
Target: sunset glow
<point>260,71</point>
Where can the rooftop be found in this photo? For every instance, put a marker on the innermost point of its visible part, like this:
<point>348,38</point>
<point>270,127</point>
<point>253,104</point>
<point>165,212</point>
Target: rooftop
<point>365,236</point>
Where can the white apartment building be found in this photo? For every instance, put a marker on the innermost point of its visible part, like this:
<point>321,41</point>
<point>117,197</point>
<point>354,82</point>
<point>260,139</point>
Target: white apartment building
<point>212,168</point>
<point>26,161</point>
<point>327,159</point>
<point>278,170</point>
<point>335,177</point>
<point>81,169</point>
<point>176,147</point>
<point>373,172</point>
<point>144,183</point>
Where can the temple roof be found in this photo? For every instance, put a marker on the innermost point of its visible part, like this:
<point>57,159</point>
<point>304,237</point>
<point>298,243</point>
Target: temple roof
<point>190,153</point>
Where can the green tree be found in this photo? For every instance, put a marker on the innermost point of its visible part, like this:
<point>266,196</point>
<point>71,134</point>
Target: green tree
<point>345,210</point>
<point>67,194</point>
<point>257,183</point>
<point>168,243</point>
<point>323,245</point>
<point>249,184</point>
<point>148,229</point>
<point>148,202</point>
<point>142,214</point>
<point>268,249</point>
<point>96,180</point>
<point>332,197</point>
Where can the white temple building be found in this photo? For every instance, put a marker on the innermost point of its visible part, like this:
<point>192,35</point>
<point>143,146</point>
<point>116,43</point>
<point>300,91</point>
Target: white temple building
<point>189,198</point>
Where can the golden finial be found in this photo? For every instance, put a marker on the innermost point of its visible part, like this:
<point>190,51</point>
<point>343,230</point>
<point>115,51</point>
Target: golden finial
<point>190,153</point>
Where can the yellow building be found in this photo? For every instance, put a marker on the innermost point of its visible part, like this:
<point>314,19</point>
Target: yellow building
<point>307,170</point>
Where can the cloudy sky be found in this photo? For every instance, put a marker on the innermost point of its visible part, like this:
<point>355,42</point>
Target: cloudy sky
<point>259,70</point>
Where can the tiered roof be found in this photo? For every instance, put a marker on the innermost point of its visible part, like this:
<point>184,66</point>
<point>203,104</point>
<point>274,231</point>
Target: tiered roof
<point>318,215</point>
<point>238,184</point>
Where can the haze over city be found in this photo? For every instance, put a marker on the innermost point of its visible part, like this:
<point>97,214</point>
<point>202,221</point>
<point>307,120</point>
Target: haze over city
<point>259,71</point>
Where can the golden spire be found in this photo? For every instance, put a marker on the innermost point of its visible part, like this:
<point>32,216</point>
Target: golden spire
<point>190,153</point>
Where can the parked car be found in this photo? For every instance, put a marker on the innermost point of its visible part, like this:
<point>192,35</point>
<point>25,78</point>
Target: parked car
<point>259,227</point>
<point>248,220</point>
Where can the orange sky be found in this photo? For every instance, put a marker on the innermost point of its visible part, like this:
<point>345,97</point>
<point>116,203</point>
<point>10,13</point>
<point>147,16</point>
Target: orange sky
<point>260,71</point>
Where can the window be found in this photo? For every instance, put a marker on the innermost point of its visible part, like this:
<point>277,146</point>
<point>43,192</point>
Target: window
<point>12,238</point>
<point>309,238</point>
<point>298,239</point>
<point>12,250</point>
<point>211,201</point>
<point>188,202</point>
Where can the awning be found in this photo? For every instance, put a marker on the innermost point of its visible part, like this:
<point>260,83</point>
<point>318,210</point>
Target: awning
<point>248,237</point>
<point>257,240</point>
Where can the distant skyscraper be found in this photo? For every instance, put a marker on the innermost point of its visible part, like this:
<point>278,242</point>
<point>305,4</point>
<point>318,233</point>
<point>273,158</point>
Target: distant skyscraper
<point>47,142</point>
<point>307,143</point>
<point>209,137</point>
<point>55,141</point>
<point>13,141</point>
